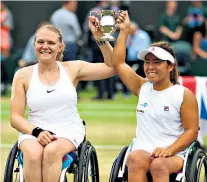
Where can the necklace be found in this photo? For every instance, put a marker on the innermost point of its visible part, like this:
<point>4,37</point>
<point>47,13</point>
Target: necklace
<point>50,87</point>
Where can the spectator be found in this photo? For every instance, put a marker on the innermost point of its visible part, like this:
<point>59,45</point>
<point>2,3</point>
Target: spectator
<point>6,28</point>
<point>115,5</point>
<point>170,24</point>
<point>193,22</point>
<point>6,43</point>
<point>138,39</point>
<point>200,43</point>
<point>107,84</point>
<point>29,57</point>
<point>66,20</point>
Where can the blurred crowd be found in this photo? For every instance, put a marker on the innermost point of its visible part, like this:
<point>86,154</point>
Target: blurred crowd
<point>188,37</point>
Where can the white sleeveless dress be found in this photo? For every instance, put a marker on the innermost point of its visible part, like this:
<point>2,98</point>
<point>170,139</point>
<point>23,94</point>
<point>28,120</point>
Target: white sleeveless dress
<point>158,118</point>
<point>55,108</point>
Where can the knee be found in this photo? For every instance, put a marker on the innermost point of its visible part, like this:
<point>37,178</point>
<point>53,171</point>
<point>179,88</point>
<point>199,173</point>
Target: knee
<point>135,163</point>
<point>158,167</point>
<point>33,155</point>
<point>51,153</point>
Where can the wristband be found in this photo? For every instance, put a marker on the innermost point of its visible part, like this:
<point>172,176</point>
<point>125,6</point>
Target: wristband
<point>36,131</point>
<point>101,42</point>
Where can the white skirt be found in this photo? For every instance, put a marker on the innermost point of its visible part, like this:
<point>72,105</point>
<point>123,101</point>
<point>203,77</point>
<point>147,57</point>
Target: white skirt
<point>75,133</point>
<point>137,146</point>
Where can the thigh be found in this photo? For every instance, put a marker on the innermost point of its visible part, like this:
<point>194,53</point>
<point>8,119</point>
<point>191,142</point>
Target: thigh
<point>61,146</point>
<point>31,147</point>
<point>174,163</point>
<point>140,157</point>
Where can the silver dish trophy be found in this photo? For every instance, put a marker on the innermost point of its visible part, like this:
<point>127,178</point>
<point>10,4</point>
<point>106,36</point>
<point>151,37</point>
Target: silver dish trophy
<point>108,24</point>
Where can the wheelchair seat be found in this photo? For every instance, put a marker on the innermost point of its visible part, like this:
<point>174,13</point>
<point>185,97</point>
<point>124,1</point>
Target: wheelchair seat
<point>82,164</point>
<point>194,168</point>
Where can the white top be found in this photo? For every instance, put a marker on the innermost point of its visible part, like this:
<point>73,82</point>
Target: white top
<point>158,117</point>
<point>57,110</point>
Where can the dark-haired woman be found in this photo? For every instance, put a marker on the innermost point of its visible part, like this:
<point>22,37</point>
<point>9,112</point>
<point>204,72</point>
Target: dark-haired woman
<point>167,113</point>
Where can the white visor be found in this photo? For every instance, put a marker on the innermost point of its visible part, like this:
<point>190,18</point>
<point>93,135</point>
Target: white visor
<point>158,52</point>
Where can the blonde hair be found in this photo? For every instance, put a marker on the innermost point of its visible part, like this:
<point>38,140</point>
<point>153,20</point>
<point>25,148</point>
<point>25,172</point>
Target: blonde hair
<point>174,76</point>
<point>60,37</point>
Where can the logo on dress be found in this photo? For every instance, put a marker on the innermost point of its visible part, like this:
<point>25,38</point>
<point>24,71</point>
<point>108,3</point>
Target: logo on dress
<point>141,111</point>
<point>144,105</point>
<point>166,108</point>
<point>48,91</point>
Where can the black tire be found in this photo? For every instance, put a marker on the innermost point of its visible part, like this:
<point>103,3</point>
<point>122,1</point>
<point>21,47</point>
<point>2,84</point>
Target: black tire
<point>87,151</point>
<point>9,169</point>
<point>199,159</point>
<point>117,166</point>
<point>75,177</point>
<point>93,162</point>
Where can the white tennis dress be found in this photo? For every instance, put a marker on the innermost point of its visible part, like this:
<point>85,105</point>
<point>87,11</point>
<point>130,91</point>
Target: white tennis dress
<point>158,117</point>
<point>54,109</point>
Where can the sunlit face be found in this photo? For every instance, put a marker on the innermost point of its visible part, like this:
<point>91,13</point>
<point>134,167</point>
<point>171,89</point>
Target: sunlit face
<point>156,69</point>
<point>47,45</point>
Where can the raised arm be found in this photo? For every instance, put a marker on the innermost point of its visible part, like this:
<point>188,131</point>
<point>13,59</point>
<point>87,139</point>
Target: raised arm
<point>126,73</point>
<point>105,47</point>
<point>97,71</point>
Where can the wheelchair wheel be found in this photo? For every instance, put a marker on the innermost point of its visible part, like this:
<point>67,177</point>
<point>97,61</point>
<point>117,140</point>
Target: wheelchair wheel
<point>117,166</point>
<point>88,164</point>
<point>198,170</point>
<point>9,169</point>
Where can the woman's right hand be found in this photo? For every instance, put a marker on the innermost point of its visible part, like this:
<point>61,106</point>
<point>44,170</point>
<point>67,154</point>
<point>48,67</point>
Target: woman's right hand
<point>123,21</point>
<point>45,138</point>
<point>94,26</point>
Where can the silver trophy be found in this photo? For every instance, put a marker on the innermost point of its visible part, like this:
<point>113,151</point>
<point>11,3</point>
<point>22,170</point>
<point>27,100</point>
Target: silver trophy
<point>108,24</point>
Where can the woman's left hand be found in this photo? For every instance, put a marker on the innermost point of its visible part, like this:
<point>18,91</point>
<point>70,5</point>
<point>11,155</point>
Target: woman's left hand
<point>161,152</point>
<point>94,26</point>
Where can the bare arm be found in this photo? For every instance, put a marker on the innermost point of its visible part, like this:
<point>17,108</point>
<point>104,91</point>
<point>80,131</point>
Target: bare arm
<point>96,71</point>
<point>190,118</point>
<point>93,71</point>
<point>126,73</point>
<point>18,104</point>
<point>106,48</point>
<point>196,46</point>
<point>107,51</point>
<point>172,35</point>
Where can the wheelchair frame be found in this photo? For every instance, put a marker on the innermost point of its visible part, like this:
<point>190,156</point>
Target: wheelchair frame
<point>195,158</point>
<point>86,157</point>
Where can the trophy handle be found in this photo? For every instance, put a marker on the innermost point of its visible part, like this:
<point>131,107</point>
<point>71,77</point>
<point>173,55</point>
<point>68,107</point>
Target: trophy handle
<point>116,25</point>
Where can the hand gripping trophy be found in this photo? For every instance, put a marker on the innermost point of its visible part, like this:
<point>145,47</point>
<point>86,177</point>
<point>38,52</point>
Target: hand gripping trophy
<point>107,22</point>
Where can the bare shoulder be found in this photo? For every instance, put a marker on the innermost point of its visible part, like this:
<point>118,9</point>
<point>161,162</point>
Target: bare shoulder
<point>188,92</point>
<point>21,79</point>
<point>23,73</point>
<point>72,68</point>
<point>73,65</point>
<point>189,97</point>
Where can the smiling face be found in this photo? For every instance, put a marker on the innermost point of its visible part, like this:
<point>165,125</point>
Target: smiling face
<point>47,44</point>
<point>155,69</point>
